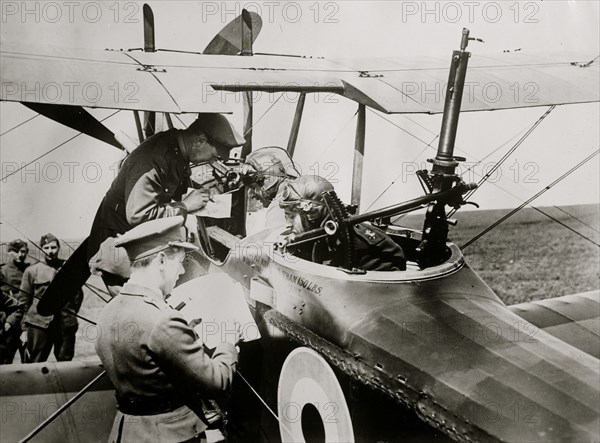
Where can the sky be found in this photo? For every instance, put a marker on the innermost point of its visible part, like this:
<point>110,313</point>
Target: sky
<point>60,192</point>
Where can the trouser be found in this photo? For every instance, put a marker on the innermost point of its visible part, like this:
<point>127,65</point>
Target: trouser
<point>41,340</point>
<point>180,425</point>
<point>9,343</point>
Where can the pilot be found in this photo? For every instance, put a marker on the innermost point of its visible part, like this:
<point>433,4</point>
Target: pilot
<point>151,183</point>
<point>305,209</point>
<point>265,170</point>
<point>44,332</point>
<point>159,368</point>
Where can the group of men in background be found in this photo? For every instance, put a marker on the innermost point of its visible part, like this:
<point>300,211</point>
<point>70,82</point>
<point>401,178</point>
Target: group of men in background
<point>21,327</point>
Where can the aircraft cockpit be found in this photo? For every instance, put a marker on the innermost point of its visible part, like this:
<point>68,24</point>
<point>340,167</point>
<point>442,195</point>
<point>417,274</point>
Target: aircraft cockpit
<point>332,243</point>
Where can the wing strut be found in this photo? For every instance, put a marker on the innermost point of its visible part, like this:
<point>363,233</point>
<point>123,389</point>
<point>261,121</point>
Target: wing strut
<point>359,153</point>
<point>138,125</point>
<point>63,408</point>
<point>149,46</point>
<point>247,39</point>
<point>291,147</point>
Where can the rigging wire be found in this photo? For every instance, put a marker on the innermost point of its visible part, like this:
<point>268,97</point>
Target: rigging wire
<point>53,149</point>
<point>39,261</point>
<point>400,175</point>
<point>38,247</point>
<point>93,289</point>
<point>504,158</point>
<point>264,403</point>
<point>263,114</point>
<point>399,127</point>
<point>499,163</point>
<point>428,145</point>
<point>511,213</point>
<point>479,161</point>
<point>572,216</point>
<point>68,311</point>
<point>63,408</point>
<point>20,124</point>
<point>332,142</point>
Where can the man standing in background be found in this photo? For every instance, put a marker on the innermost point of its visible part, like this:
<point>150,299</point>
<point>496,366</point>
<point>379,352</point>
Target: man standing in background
<point>11,313</point>
<point>45,332</point>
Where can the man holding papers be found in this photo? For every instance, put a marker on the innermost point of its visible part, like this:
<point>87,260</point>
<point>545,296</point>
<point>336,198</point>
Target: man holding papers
<point>159,369</point>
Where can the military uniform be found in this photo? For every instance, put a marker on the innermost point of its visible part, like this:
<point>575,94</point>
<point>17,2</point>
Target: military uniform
<point>160,370</point>
<point>158,367</point>
<point>12,274</point>
<point>149,185</point>
<point>43,332</point>
<point>374,251</point>
<point>11,310</point>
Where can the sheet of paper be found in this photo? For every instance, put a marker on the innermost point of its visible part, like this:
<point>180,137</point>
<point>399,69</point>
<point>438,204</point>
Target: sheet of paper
<point>220,207</point>
<point>220,304</point>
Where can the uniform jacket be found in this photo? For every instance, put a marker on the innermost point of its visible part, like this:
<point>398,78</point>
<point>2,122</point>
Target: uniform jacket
<point>11,275</point>
<point>10,310</point>
<point>36,279</point>
<point>149,185</point>
<point>374,251</point>
<point>149,351</point>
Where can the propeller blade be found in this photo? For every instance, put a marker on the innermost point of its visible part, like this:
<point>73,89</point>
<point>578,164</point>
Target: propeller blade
<point>229,40</point>
<point>149,42</point>
<point>75,117</point>
<point>69,279</point>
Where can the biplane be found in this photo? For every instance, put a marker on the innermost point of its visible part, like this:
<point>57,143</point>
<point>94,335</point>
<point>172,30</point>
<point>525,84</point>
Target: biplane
<point>345,354</point>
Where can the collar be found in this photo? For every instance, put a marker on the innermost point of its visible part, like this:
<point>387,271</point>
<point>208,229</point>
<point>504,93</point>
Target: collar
<point>19,266</point>
<point>182,147</point>
<point>55,263</point>
<point>139,290</point>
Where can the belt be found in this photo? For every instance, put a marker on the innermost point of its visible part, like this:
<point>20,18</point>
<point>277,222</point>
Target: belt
<point>147,405</point>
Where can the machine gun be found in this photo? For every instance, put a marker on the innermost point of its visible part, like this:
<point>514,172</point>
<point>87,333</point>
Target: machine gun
<point>443,186</point>
<point>224,176</point>
<point>336,224</point>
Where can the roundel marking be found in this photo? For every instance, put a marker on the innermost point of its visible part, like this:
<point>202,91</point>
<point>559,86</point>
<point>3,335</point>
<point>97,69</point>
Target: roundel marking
<point>310,402</point>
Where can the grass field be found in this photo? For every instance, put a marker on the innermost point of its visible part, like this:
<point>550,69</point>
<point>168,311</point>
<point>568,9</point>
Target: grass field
<point>528,257</point>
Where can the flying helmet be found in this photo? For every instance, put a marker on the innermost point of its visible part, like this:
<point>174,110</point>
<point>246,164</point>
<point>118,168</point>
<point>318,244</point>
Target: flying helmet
<point>304,196</point>
<point>267,168</point>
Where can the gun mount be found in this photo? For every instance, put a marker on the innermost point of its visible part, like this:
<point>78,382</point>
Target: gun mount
<point>443,175</point>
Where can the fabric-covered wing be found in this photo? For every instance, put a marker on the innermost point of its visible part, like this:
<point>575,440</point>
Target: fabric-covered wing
<point>93,79</point>
<point>187,82</point>
<point>575,319</point>
<point>504,81</point>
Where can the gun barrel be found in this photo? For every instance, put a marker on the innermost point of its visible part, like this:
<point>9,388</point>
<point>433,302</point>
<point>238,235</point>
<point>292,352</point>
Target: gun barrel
<point>401,208</point>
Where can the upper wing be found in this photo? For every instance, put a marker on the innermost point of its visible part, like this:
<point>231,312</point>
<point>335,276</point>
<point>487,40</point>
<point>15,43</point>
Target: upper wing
<point>187,82</point>
<point>575,319</point>
<point>504,81</point>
